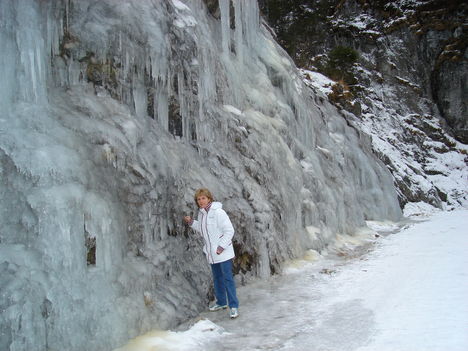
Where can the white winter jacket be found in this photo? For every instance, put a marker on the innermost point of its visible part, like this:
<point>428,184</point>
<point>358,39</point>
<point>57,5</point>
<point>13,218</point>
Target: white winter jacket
<point>217,230</point>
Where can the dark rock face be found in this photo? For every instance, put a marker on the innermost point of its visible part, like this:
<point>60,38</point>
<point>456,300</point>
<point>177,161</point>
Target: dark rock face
<point>411,73</point>
<point>433,34</point>
<point>450,91</point>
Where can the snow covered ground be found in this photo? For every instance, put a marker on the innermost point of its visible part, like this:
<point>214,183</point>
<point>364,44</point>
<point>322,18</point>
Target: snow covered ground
<point>402,291</point>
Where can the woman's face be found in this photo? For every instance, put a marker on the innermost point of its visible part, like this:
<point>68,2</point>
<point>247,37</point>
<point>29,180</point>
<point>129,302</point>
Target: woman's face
<point>202,201</point>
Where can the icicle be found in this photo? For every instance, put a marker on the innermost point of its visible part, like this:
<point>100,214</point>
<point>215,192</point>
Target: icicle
<point>225,25</point>
<point>251,21</point>
<point>139,96</point>
<point>67,13</point>
<point>32,53</point>
<point>162,103</point>
<point>247,25</point>
<point>238,31</point>
<point>8,57</point>
<point>182,94</point>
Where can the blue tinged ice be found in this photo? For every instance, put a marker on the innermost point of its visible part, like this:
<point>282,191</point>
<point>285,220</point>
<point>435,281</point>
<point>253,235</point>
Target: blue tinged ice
<point>224,7</point>
<point>179,5</point>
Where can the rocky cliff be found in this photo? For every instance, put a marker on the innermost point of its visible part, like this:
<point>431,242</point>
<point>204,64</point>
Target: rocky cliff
<point>399,71</point>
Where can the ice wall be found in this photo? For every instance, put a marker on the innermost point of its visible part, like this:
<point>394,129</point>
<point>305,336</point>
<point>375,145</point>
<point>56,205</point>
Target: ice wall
<point>112,114</point>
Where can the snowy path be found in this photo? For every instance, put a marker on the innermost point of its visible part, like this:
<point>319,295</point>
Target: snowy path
<point>410,293</point>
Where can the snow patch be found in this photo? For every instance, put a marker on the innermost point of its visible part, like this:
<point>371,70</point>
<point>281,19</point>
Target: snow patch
<point>232,109</point>
<point>383,227</point>
<point>310,257</point>
<point>180,5</point>
<point>201,332</point>
<point>419,210</point>
<point>317,81</point>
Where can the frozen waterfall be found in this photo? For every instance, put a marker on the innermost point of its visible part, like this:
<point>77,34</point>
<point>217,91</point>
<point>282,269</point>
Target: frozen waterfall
<point>112,114</point>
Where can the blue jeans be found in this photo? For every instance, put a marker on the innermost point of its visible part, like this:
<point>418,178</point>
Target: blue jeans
<point>224,284</point>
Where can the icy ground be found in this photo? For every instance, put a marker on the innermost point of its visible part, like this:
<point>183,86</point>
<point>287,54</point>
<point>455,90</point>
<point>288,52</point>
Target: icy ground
<point>403,291</point>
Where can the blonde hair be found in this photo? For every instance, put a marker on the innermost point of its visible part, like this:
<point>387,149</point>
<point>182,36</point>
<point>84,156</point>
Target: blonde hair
<point>201,192</point>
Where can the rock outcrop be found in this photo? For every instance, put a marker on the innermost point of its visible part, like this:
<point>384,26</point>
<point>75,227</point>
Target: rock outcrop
<point>407,88</point>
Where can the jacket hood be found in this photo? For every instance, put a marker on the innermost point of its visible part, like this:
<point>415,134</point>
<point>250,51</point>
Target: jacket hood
<point>215,205</point>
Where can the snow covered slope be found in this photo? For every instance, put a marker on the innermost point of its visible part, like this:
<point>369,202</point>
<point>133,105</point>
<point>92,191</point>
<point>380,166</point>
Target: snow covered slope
<point>400,71</point>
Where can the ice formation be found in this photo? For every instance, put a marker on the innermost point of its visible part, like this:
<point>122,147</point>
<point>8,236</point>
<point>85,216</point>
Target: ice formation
<point>112,114</point>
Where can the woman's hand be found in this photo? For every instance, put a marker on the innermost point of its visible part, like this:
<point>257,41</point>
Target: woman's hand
<point>187,219</point>
<point>219,250</point>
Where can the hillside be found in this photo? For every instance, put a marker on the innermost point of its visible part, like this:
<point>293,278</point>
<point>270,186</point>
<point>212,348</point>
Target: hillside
<point>398,71</point>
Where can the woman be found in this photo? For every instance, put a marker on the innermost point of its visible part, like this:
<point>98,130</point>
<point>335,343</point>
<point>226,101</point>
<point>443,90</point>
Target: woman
<point>217,231</point>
